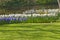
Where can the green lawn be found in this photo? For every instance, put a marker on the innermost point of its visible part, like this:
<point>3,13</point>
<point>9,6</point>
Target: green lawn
<point>30,31</point>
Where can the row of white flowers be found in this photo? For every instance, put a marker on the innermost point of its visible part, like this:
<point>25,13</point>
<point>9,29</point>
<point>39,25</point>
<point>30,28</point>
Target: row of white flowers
<point>41,10</point>
<point>26,15</point>
<point>34,13</point>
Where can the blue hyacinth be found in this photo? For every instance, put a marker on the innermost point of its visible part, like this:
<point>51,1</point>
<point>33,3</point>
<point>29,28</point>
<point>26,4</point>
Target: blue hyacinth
<point>9,19</point>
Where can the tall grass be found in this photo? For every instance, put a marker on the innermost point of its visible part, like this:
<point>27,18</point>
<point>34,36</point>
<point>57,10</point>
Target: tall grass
<point>45,19</point>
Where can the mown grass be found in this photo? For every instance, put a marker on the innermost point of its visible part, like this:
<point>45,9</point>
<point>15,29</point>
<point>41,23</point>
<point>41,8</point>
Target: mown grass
<point>30,31</point>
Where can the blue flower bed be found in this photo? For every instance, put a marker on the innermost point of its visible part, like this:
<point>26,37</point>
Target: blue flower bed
<point>8,20</point>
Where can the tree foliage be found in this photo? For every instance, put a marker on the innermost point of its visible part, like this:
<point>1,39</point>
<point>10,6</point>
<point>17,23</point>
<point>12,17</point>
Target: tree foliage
<point>17,4</point>
<point>46,2</point>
